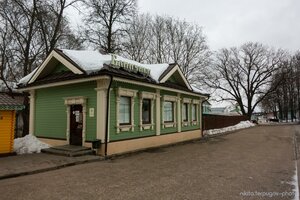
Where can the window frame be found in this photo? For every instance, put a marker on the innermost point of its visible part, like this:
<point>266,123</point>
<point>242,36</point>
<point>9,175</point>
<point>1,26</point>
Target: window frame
<point>132,95</point>
<point>129,111</point>
<point>150,111</point>
<point>172,111</point>
<point>194,114</point>
<point>153,97</point>
<point>186,114</point>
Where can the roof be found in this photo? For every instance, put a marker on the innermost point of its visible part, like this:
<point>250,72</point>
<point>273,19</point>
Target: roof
<point>83,64</point>
<point>11,103</point>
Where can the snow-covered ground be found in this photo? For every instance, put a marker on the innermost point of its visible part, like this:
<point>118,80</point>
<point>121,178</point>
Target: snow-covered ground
<point>242,124</point>
<point>28,144</point>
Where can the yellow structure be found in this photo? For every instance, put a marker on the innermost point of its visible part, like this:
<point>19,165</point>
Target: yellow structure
<point>7,124</point>
<point>8,107</point>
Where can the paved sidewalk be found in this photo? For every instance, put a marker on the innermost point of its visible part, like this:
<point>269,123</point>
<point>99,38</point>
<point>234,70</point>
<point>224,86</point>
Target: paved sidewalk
<point>256,163</point>
<point>13,166</point>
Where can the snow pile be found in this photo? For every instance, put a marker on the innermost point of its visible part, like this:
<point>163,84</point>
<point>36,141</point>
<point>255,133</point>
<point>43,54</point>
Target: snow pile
<point>242,124</point>
<point>28,144</point>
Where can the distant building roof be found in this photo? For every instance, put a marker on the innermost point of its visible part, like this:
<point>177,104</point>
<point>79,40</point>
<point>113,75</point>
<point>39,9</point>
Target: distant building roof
<point>11,103</point>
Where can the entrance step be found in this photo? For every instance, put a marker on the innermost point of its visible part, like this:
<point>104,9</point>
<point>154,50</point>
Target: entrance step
<point>69,150</point>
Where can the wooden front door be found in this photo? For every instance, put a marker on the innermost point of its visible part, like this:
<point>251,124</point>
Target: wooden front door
<point>76,124</point>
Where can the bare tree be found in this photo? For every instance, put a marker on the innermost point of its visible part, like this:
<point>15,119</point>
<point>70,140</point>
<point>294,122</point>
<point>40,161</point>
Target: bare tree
<point>105,22</point>
<point>6,55</point>
<point>286,95</point>
<point>243,74</point>
<point>36,28</point>
<point>163,39</point>
<point>30,29</point>
<point>53,25</point>
<point>297,80</point>
<point>158,48</point>
<point>137,38</point>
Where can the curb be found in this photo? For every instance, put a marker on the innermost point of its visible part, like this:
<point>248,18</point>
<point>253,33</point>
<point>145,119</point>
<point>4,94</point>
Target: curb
<point>13,175</point>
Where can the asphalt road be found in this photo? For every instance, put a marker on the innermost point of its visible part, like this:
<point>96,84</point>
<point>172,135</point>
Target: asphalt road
<point>255,163</point>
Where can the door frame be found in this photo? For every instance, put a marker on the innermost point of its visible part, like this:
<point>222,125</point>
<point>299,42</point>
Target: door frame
<point>78,100</point>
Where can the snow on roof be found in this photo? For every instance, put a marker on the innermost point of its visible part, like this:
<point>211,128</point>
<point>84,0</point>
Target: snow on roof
<point>26,78</point>
<point>195,89</point>
<point>156,70</point>
<point>91,61</point>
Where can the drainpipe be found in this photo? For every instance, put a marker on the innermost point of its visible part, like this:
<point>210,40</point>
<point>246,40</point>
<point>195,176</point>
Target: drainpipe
<point>202,119</point>
<point>107,110</point>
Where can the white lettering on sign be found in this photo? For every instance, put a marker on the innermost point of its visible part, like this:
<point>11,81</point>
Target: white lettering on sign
<point>128,66</point>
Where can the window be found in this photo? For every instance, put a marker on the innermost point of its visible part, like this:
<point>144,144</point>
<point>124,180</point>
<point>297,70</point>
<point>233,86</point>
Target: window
<point>168,111</point>
<point>146,111</point>
<point>185,112</point>
<point>125,110</point>
<point>194,112</point>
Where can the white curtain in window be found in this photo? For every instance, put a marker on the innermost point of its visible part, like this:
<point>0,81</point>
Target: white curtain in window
<point>124,110</point>
<point>168,111</point>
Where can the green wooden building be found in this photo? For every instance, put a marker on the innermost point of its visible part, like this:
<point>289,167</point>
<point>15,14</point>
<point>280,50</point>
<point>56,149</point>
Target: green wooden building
<point>85,98</point>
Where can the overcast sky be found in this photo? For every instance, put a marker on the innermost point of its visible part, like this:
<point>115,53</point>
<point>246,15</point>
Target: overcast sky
<point>229,23</point>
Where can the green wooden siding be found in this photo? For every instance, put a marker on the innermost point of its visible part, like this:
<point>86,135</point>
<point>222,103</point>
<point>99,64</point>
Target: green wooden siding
<point>113,135</point>
<point>50,111</point>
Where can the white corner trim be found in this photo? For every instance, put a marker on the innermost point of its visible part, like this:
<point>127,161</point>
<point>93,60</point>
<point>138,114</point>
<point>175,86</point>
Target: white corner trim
<point>158,112</point>
<point>101,90</point>
<point>61,59</point>
<point>168,75</point>
<point>179,112</point>
<point>31,111</point>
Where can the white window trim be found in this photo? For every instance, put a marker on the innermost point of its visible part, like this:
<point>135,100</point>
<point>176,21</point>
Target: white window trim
<point>188,101</point>
<point>186,123</point>
<point>197,103</point>
<point>126,93</point>
<point>173,99</point>
<point>152,97</point>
